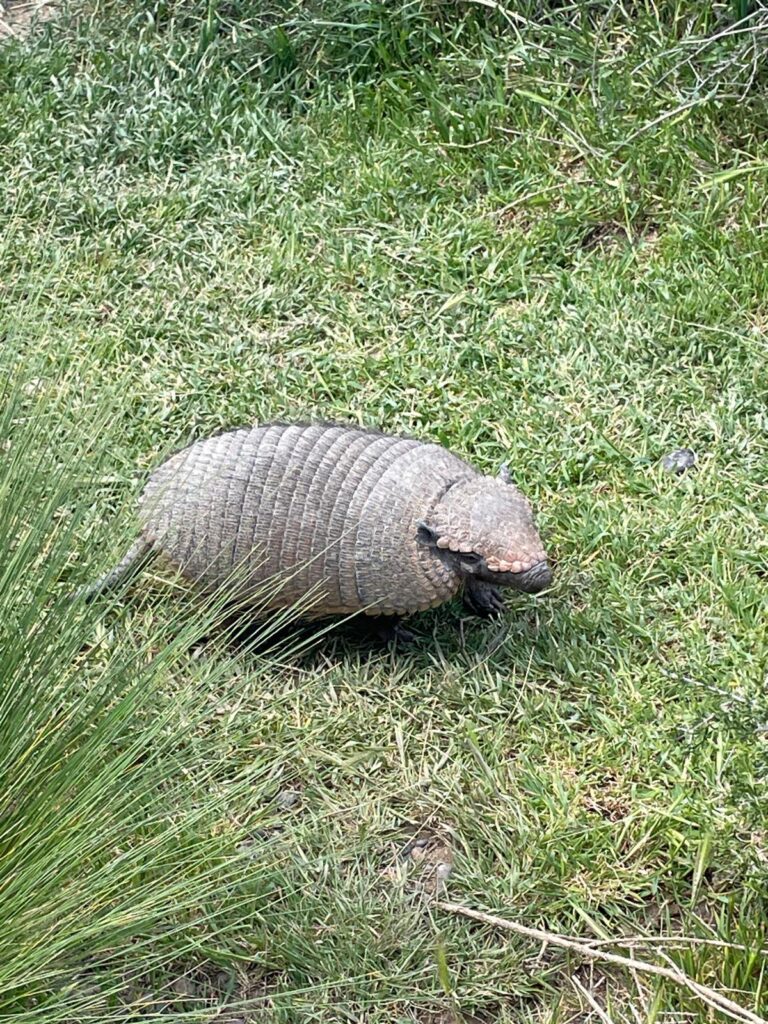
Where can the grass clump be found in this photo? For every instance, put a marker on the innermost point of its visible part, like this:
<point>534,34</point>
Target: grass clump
<point>542,241</point>
<point>119,850</point>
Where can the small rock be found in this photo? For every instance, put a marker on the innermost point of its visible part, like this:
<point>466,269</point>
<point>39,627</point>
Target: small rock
<point>252,847</point>
<point>678,461</point>
<point>223,980</point>
<point>287,799</point>
<point>184,987</point>
<point>443,870</point>
<point>416,848</point>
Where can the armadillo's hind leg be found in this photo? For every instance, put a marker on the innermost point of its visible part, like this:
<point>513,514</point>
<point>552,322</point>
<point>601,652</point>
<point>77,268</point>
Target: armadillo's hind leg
<point>135,560</point>
<point>482,599</point>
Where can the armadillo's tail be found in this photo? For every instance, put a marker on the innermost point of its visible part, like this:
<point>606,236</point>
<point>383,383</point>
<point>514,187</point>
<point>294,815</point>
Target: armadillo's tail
<point>136,558</point>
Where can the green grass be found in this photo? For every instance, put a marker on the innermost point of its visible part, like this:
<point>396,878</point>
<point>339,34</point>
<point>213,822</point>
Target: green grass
<point>540,238</point>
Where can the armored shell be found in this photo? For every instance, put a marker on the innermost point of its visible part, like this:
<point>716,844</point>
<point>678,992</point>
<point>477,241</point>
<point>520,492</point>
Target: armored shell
<point>326,510</point>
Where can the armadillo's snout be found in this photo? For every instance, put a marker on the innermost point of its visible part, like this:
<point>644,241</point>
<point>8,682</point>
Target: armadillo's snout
<point>535,579</point>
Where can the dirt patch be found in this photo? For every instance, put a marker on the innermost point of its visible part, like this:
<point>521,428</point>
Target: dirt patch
<point>441,1016</point>
<point>608,236</point>
<point>424,860</point>
<point>608,799</point>
<point>19,18</point>
<point>513,218</point>
<point>240,996</point>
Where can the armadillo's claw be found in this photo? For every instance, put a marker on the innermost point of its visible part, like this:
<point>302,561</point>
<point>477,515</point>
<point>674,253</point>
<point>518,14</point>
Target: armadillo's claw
<point>483,599</point>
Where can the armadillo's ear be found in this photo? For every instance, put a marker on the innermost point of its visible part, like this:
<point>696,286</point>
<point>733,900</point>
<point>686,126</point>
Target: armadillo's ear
<point>504,475</point>
<point>425,533</point>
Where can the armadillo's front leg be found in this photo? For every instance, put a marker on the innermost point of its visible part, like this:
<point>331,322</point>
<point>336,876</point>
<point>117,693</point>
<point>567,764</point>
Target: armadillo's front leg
<point>482,599</point>
<point>390,630</point>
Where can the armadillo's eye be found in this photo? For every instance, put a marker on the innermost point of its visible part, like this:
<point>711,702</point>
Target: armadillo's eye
<point>470,558</point>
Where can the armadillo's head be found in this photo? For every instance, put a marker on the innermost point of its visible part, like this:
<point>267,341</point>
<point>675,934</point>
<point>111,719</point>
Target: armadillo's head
<point>485,527</point>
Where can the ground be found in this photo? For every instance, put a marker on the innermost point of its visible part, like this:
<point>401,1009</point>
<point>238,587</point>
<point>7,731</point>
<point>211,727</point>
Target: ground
<point>540,240</point>
<point>19,18</point>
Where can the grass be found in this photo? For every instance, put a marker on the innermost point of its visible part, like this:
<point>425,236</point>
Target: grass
<point>540,240</point>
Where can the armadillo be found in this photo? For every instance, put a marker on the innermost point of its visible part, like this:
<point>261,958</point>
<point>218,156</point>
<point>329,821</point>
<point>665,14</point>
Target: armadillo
<point>364,521</point>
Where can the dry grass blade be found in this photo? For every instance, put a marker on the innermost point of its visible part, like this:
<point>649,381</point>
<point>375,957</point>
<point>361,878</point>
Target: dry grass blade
<point>711,997</point>
<point>590,999</point>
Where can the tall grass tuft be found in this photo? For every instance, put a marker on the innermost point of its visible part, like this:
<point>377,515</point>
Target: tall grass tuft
<point>115,835</point>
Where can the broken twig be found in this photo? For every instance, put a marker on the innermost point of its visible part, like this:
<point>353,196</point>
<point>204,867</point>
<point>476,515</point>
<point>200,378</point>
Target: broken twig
<point>711,997</point>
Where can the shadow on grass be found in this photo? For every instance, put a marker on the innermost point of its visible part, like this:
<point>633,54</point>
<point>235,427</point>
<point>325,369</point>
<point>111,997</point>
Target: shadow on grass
<point>443,635</point>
